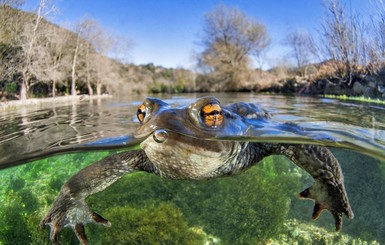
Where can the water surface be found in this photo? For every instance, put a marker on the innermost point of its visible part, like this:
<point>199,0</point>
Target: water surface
<point>36,132</point>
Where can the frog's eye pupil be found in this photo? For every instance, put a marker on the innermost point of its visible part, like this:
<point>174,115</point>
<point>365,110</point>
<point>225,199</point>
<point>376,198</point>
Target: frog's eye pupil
<point>212,115</point>
<point>141,113</point>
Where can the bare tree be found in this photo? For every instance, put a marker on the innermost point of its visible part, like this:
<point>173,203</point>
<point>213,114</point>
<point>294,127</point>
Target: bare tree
<point>10,21</point>
<point>11,54</point>
<point>98,45</point>
<point>30,41</point>
<point>121,48</point>
<point>303,49</point>
<point>53,59</point>
<point>343,38</point>
<point>83,47</point>
<point>103,72</point>
<point>230,38</point>
<point>79,29</point>
<point>33,51</point>
<point>376,45</point>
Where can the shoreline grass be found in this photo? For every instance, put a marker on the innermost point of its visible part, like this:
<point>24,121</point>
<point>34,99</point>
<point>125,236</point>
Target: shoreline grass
<point>355,98</point>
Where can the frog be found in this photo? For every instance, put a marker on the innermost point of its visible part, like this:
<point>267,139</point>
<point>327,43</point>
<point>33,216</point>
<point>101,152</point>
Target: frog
<point>180,143</point>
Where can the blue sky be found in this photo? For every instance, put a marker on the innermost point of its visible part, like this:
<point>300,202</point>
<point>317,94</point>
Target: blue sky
<point>166,32</point>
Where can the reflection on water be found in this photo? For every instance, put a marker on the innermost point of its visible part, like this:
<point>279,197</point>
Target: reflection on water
<point>257,206</point>
<point>33,133</point>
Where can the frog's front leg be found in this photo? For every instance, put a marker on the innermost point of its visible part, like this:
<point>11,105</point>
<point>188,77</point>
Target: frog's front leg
<point>328,190</point>
<point>70,208</point>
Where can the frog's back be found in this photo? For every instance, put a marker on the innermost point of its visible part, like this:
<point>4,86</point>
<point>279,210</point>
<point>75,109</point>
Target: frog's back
<point>248,110</point>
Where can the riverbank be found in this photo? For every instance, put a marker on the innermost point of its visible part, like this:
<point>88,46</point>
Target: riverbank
<point>372,87</point>
<point>60,100</point>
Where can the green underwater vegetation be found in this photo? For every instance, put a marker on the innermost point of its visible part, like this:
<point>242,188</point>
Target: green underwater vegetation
<point>259,206</point>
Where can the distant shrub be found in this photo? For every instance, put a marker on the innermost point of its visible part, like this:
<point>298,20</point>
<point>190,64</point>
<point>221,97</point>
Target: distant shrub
<point>11,87</point>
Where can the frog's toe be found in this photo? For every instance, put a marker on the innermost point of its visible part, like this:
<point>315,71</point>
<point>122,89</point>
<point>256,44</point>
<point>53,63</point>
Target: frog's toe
<point>100,219</point>
<point>69,212</point>
<point>338,220</point>
<point>81,233</point>
<point>54,233</point>
<point>318,208</point>
<point>54,225</point>
<point>331,197</point>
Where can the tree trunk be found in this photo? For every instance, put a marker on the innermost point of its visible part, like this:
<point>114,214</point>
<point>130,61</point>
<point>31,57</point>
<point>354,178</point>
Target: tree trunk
<point>99,88</point>
<point>24,86</point>
<point>31,42</point>
<point>90,90</point>
<point>89,86</point>
<point>53,88</point>
<point>73,73</point>
<point>23,91</point>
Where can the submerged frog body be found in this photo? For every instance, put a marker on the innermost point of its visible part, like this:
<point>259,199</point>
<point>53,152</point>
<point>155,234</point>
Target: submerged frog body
<point>175,146</point>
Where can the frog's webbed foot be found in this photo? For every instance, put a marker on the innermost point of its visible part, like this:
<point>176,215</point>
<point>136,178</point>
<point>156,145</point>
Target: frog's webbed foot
<point>330,196</point>
<point>328,190</point>
<point>70,208</point>
<point>73,213</point>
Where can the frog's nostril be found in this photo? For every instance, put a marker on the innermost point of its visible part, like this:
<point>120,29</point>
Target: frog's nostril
<point>160,135</point>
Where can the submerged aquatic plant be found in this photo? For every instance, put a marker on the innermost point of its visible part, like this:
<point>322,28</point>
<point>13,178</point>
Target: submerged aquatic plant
<point>153,223</point>
<point>232,209</point>
<point>298,232</point>
<point>251,208</point>
<point>27,190</point>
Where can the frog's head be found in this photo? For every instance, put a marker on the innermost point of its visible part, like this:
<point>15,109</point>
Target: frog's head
<point>176,139</point>
<point>205,118</point>
<point>190,141</point>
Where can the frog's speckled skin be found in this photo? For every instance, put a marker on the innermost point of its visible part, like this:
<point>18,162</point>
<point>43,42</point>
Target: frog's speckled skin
<point>170,152</point>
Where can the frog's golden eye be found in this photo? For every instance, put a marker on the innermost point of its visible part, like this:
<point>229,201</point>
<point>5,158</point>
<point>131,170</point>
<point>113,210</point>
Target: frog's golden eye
<point>212,115</point>
<point>141,114</point>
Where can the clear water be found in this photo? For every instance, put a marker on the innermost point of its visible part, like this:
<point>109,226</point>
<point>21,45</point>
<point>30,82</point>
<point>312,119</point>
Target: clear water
<point>259,206</point>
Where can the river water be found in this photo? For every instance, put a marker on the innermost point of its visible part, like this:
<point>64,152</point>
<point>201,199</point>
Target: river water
<point>354,130</point>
